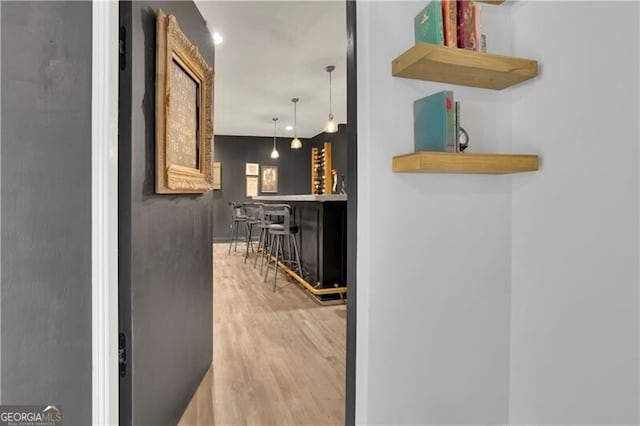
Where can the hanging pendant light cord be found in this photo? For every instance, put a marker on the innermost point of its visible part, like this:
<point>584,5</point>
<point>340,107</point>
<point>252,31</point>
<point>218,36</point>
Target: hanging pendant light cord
<point>330,100</point>
<point>295,120</point>
<point>274,132</point>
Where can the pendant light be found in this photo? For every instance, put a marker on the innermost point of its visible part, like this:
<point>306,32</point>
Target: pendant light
<point>295,143</point>
<point>274,153</point>
<point>330,126</point>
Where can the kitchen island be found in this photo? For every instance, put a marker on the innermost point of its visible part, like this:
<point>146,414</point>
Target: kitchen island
<point>322,222</point>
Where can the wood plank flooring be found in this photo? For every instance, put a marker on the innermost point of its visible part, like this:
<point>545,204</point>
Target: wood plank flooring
<point>279,358</point>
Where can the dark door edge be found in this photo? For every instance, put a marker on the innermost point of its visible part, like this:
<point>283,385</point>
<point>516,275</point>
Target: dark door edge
<point>352,210</point>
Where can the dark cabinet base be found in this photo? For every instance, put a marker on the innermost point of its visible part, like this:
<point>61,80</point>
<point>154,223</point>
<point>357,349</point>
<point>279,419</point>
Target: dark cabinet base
<point>323,243</point>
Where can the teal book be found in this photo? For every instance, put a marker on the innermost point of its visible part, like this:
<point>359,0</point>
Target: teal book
<point>428,25</point>
<point>434,123</point>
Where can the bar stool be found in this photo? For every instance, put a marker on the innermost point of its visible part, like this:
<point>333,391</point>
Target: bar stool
<point>237,217</point>
<point>263,238</point>
<point>250,211</point>
<point>279,231</point>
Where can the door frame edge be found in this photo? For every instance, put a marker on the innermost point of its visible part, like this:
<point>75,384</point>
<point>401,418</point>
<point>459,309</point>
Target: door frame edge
<point>104,212</point>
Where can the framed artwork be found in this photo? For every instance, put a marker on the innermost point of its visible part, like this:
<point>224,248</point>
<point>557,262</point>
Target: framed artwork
<point>252,169</point>
<point>269,179</point>
<point>217,176</point>
<point>252,186</point>
<point>184,85</point>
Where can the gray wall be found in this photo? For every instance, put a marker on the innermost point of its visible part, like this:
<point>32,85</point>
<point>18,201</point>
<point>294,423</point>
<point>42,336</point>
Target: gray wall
<point>514,298</point>
<point>46,206</point>
<point>574,289</point>
<point>233,152</point>
<point>433,290</point>
<point>165,241</point>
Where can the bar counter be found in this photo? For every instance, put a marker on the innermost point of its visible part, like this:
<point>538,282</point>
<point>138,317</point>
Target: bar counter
<point>322,220</point>
<point>304,197</point>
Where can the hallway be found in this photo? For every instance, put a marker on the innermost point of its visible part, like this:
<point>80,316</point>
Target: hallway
<point>279,357</point>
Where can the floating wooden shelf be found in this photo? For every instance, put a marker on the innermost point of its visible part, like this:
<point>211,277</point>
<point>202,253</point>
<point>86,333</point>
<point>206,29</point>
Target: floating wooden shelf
<point>491,1</point>
<point>457,162</point>
<point>461,66</point>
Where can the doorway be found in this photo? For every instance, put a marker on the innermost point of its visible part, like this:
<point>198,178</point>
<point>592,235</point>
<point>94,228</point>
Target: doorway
<point>143,217</point>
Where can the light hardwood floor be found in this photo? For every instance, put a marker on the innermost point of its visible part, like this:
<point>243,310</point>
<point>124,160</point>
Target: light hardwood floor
<point>279,358</point>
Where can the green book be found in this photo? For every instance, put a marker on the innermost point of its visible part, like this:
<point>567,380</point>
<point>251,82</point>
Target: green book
<point>428,26</point>
<point>434,123</point>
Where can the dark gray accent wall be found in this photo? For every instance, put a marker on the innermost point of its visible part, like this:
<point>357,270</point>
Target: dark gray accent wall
<point>46,206</point>
<point>165,241</point>
<point>233,152</point>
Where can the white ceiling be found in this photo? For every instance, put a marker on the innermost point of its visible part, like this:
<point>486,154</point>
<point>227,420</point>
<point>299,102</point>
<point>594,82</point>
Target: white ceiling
<point>272,52</point>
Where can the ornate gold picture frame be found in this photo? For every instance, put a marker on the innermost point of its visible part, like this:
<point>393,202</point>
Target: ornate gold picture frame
<point>269,179</point>
<point>184,85</point>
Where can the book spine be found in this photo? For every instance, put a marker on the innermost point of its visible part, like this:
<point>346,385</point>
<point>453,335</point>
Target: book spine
<point>450,18</point>
<point>459,21</point>
<point>450,123</point>
<point>439,19</point>
<point>477,12</point>
<point>457,132</point>
<point>466,31</point>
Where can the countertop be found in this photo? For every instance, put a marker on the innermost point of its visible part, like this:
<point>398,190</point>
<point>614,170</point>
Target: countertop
<point>303,197</point>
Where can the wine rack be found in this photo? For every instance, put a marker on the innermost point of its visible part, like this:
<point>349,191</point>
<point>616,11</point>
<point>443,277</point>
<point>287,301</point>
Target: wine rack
<point>321,180</point>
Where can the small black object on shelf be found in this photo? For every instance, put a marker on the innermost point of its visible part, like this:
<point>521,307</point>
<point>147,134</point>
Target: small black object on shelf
<point>463,139</point>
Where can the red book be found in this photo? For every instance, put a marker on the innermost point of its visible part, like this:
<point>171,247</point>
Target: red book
<point>466,25</point>
<point>450,18</point>
<point>477,9</point>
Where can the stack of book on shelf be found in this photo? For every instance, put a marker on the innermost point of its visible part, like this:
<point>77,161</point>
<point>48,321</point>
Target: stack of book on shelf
<point>452,23</point>
<point>436,123</point>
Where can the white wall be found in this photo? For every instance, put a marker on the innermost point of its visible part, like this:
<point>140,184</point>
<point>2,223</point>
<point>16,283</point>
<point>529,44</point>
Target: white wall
<point>574,337</point>
<point>434,250</point>
<point>441,337</point>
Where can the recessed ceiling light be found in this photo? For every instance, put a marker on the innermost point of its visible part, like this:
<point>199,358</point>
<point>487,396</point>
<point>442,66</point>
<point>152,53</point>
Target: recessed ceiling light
<point>217,38</point>
<point>288,128</point>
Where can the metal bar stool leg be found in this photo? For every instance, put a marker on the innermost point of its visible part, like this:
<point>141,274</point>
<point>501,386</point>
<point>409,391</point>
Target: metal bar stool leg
<point>248,228</point>
<point>266,251</point>
<point>266,273</point>
<point>260,237</point>
<point>234,237</point>
<point>296,253</point>
<point>246,240</point>
<point>235,249</point>
<point>233,229</point>
<point>265,246</point>
<point>278,248</point>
